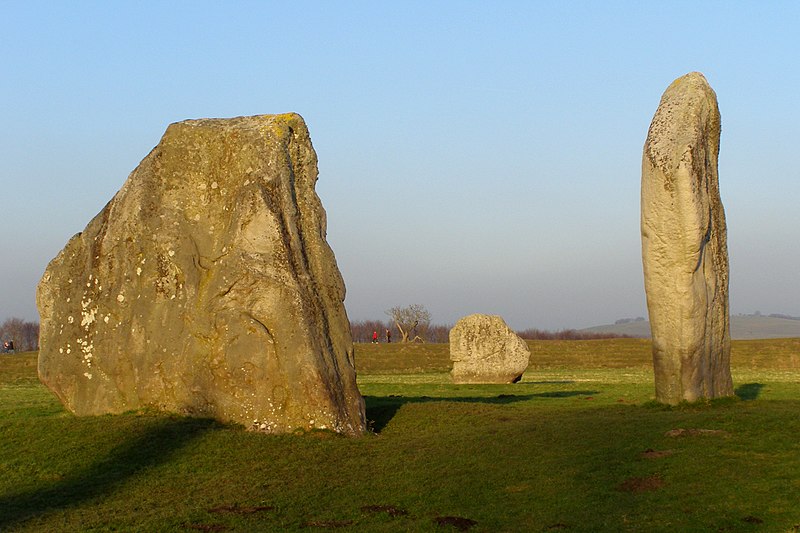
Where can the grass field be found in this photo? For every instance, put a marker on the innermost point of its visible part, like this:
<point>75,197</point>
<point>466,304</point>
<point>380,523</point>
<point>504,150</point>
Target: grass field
<point>577,445</point>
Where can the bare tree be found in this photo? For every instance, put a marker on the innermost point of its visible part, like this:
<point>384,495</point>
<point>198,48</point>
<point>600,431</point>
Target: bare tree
<point>412,321</point>
<point>30,336</point>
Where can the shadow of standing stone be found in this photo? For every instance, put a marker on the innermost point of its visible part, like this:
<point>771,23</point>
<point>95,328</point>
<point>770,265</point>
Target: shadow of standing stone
<point>748,391</point>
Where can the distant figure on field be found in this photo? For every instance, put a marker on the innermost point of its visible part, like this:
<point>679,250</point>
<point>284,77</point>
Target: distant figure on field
<point>388,336</point>
<point>375,337</point>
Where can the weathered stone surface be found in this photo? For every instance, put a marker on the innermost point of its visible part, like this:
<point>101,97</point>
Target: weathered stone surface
<point>485,350</point>
<point>684,248</point>
<point>206,287</point>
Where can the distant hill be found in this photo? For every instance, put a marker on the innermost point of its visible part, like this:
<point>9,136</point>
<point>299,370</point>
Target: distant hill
<point>742,327</point>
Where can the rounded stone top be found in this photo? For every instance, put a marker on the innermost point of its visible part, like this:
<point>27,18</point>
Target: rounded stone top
<point>479,322</point>
<point>688,114</point>
<point>475,317</point>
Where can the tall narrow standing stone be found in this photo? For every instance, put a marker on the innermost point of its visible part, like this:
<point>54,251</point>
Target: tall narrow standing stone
<point>684,249</point>
<point>206,287</point>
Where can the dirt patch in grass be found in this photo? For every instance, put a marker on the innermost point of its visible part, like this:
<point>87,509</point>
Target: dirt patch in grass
<point>656,454</point>
<point>237,509</point>
<point>752,520</point>
<point>458,522</point>
<point>391,510</point>
<point>680,432</point>
<point>641,484</point>
<point>328,524</point>
<point>206,527</point>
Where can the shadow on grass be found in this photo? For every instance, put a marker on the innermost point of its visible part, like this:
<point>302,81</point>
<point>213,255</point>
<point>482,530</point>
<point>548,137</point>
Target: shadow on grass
<point>152,447</point>
<point>748,391</point>
<point>381,409</point>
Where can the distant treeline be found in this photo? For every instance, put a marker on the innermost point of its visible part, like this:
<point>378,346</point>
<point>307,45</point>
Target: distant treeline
<point>629,320</point>
<point>567,335</point>
<point>24,334</point>
<point>772,315</point>
<point>362,331</point>
<point>778,315</point>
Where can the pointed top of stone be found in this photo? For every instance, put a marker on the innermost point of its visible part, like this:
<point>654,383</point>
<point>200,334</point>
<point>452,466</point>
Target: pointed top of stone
<point>688,114</point>
<point>206,287</point>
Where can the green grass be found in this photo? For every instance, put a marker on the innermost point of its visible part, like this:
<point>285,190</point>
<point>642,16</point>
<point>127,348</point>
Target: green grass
<point>563,450</point>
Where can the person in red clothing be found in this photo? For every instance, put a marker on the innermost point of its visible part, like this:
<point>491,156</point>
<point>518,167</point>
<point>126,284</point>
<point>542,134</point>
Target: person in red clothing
<point>375,337</point>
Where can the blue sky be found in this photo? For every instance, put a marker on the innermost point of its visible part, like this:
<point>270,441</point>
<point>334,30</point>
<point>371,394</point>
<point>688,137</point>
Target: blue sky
<point>474,156</point>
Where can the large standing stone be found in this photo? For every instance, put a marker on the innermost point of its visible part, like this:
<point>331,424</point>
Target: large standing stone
<point>684,249</point>
<point>206,287</point>
<point>485,350</point>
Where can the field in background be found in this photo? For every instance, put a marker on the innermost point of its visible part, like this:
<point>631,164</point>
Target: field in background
<point>772,354</point>
<point>576,446</point>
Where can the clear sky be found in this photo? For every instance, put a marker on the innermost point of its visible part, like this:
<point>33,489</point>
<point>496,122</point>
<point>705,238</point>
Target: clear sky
<point>473,156</point>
